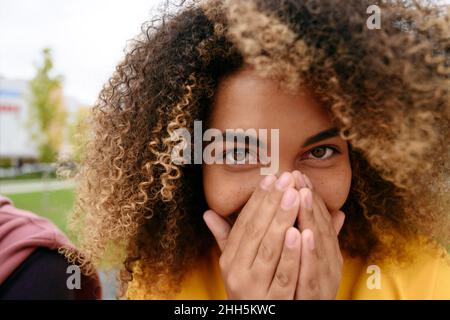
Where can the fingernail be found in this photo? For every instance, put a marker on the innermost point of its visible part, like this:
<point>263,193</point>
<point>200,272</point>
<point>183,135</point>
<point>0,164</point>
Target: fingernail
<point>205,214</point>
<point>307,182</point>
<point>306,197</point>
<point>283,181</point>
<point>206,218</point>
<point>291,237</point>
<point>267,182</point>
<point>289,199</point>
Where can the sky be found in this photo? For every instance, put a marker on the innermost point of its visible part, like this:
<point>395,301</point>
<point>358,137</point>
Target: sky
<point>87,38</point>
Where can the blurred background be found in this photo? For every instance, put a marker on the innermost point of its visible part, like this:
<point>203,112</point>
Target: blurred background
<point>55,56</point>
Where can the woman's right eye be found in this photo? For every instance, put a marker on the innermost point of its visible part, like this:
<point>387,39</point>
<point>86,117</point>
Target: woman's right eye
<point>240,156</point>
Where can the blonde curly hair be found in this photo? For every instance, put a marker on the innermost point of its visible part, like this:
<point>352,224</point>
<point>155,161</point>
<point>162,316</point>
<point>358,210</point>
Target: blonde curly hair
<point>389,90</point>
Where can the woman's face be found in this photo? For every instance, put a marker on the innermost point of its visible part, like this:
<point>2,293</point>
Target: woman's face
<point>246,101</point>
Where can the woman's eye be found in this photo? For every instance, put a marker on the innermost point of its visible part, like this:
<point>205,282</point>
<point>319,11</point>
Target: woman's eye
<point>239,156</point>
<point>322,153</point>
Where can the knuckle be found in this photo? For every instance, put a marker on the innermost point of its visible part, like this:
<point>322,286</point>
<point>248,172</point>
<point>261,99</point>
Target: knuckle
<point>251,229</point>
<point>282,279</point>
<point>312,284</point>
<point>266,252</point>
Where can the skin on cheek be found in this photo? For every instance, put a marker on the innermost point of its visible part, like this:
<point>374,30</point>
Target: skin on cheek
<point>333,187</point>
<point>225,195</point>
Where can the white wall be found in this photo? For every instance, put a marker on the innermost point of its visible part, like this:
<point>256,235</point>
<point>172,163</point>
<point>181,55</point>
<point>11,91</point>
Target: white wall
<point>15,140</point>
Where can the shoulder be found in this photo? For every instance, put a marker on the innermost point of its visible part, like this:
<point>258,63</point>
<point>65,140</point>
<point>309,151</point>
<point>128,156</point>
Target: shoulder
<point>426,275</point>
<point>201,281</point>
<point>30,260</point>
<point>21,232</point>
<point>204,280</point>
<point>41,276</point>
<point>25,228</point>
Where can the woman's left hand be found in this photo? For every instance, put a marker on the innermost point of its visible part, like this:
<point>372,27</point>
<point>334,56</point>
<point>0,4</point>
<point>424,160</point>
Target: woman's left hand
<point>321,258</point>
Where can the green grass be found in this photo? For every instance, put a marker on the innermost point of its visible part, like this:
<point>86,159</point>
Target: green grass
<point>28,176</point>
<point>53,205</point>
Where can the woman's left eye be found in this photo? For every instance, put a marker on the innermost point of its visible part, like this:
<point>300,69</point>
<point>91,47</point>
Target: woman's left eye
<point>321,153</point>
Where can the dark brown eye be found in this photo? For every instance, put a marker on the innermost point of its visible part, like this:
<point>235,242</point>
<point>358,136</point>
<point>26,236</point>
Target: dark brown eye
<point>322,153</point>
<point>319,152</point>
<point>240,156</point>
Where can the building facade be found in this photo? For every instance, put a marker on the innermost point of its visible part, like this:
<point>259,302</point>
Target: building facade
<point>16,142</point>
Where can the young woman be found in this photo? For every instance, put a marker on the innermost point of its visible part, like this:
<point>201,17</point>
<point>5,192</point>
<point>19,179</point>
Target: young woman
<point>359,205</point>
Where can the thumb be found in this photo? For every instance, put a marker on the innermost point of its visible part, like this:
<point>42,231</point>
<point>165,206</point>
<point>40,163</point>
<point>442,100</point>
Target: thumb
<point>337,218</point>
<point>218,226</point>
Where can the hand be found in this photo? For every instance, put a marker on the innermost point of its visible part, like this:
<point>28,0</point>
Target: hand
<point>321,258</point>
<point>261,252</point>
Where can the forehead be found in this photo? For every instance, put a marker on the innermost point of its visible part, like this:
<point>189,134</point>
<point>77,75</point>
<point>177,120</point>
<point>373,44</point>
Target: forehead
<point>246,100</point>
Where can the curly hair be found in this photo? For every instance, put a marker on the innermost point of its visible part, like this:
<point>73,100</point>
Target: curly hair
<point>388,89</point>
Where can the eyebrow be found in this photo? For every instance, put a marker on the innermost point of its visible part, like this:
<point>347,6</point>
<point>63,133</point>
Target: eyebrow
<point>329,133</point>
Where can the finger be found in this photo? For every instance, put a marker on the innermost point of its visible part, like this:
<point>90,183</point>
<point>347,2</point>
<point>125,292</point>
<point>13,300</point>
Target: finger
<point>327,244</point>
<point>250,208</point>
<point>285,280</point>
<point>306,216</point>
<point>271,246</point>
<point>321,213</point>
<point>311,218</point>
<point>308,182</point>
<point>337,218</point>
<point>218,226</point>
<point>317,198</point>
<point>257,227</point>
<point>308,286</point>
<point>299,179</point>
<point>328,227</point>
<point>314,214</point>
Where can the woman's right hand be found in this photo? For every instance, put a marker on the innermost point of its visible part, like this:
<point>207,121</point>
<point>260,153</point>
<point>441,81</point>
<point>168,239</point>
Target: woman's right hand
<point>261,251</point>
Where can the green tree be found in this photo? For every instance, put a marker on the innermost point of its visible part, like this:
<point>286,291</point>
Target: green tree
<point>78,133</point>
<point>47,112</point>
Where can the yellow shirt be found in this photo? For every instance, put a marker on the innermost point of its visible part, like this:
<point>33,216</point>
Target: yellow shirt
<point>427,277</point>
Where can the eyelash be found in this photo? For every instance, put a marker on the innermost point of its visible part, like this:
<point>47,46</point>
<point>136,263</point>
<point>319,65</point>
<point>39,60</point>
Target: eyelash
<point>246,150</point>
<point>333,148</point>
